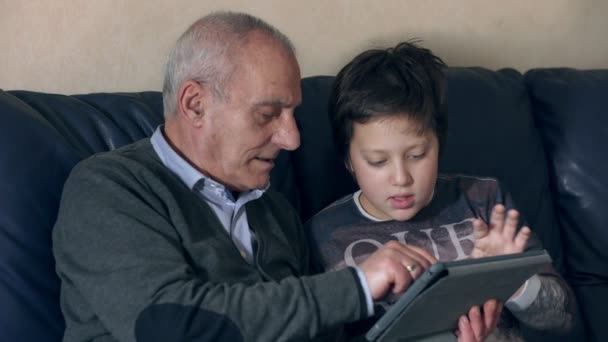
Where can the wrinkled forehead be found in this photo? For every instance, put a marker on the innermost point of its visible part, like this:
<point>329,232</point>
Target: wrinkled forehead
<point>266,72</point>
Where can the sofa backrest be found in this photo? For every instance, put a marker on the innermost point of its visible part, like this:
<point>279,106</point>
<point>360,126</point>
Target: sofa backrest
<point>491,132</point>
<point>571,108</point>
<point>42,137</point>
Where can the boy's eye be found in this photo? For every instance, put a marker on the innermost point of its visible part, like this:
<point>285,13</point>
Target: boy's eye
<point>417,156</point>
<point>376,162</point>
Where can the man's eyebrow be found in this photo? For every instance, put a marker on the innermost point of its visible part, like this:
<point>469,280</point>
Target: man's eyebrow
<point>274,103</point>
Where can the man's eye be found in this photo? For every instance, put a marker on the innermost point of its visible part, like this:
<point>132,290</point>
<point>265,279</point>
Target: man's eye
<point>266,117</point>
<point>270,113</point>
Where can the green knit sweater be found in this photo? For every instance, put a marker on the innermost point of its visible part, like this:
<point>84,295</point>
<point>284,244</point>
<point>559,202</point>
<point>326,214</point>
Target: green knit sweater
<point>141,257</point>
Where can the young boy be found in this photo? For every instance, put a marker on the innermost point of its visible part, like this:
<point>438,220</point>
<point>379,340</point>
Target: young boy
<point>389,124</point>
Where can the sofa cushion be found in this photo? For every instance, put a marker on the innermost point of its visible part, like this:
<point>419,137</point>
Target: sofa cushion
<point>570,109</point>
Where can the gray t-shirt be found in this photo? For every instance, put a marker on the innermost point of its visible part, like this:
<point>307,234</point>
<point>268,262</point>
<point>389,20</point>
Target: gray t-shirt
<point>343,234</point>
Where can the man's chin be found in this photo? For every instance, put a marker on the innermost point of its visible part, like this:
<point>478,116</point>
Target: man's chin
<point>259,183</point>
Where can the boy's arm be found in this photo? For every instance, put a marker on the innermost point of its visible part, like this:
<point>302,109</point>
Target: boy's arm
<point>545,301</point>
<point>549,303</point>
<point>553,306</point>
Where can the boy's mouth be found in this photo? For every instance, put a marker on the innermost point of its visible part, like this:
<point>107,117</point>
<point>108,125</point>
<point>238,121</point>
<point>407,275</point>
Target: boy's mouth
<point>402,201</point>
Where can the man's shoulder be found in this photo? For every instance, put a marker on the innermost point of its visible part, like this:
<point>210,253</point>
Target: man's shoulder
<point>138,151</point>
<point>129,161</point>
<point>133,150</point>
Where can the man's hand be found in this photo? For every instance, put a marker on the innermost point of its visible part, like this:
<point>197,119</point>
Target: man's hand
<point>393,268</point>
<point>477,325</point>
<point>501,237</point>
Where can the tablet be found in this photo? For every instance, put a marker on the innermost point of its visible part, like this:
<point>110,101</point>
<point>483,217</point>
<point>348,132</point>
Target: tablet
<point>434,302</point>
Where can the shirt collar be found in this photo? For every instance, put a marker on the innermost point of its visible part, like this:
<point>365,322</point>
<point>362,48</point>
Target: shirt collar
<point>189,175</point>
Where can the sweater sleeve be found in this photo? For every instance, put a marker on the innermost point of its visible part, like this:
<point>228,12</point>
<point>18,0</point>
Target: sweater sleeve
<point>122,263</point>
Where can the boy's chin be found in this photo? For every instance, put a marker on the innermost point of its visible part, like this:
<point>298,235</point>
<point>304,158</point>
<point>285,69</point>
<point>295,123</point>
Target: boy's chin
<point>403,215</point>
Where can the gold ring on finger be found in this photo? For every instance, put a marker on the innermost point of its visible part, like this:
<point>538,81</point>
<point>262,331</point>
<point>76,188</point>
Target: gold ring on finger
<point>411,268</point>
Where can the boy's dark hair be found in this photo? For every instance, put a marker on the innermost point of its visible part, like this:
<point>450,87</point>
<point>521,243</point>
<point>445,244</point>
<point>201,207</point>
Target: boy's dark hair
<point>406,79</point>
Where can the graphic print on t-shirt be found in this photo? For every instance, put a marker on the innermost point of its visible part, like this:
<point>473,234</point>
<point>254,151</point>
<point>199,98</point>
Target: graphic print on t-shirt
<point>452,241</point>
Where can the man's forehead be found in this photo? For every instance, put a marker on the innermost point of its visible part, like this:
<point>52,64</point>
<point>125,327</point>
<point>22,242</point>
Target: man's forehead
<point>267,74</point>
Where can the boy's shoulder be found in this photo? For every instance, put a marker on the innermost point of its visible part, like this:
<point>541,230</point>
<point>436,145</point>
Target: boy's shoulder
<point>337,205</point>
<point>342,212</point>
<point>469,190</point>
<point>468,183</point>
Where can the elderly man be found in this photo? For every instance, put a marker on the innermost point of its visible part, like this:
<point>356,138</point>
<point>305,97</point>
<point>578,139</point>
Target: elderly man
<point>178,237</point>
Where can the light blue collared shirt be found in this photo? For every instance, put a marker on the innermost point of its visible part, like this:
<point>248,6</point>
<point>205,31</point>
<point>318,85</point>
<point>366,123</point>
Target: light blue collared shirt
<point>230,211</point>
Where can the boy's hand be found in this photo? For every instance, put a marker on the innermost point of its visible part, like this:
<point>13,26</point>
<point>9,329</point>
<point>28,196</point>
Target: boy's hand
<point>477,325</point>
<point>501,237</point>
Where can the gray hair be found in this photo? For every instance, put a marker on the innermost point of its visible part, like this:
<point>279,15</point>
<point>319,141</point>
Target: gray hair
<point>205,53</point>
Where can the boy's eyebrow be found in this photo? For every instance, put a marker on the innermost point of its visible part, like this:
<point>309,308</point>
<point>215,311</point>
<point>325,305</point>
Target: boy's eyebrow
<point>384,151</point>
<point>422,143</point>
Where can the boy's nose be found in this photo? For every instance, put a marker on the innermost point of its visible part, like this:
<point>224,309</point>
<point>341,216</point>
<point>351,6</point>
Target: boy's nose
<point>401,176</point>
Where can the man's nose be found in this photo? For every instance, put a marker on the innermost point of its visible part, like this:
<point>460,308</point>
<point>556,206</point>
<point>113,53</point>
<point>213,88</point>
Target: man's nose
<point>287,136</point>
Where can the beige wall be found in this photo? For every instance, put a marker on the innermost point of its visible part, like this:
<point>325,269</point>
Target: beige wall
<point>77,46</point>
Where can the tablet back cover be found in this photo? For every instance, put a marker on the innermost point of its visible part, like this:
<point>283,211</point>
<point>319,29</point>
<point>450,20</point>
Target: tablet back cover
<point>436,306</point>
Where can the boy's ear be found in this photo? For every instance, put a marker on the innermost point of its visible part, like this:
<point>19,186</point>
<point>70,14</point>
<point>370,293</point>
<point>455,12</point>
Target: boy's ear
<point>349,165</point>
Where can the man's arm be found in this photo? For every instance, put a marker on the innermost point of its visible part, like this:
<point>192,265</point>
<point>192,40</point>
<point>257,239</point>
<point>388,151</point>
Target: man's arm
<point>123,262</point>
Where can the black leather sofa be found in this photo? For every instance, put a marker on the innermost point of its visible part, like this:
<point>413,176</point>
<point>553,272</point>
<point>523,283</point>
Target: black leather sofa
<point>540,133</point>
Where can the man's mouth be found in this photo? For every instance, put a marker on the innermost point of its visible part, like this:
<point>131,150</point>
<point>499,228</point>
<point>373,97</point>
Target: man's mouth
<point>266,160</point>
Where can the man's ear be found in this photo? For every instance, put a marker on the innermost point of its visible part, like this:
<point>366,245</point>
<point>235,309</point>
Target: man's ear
<point>191,101</point>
